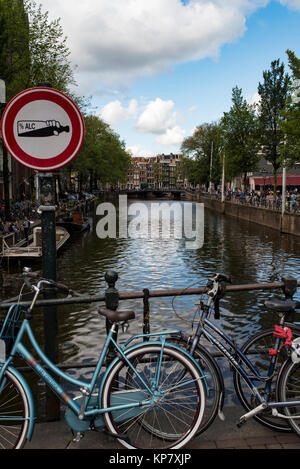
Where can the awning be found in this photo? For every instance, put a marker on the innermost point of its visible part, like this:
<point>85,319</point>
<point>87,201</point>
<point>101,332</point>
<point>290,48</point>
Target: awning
<point>291,180</point>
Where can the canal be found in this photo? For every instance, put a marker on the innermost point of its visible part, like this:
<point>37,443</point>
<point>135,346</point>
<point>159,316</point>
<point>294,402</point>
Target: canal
<point>249,253</point>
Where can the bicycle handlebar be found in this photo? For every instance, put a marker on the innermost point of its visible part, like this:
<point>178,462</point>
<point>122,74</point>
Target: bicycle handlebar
<point>36,275</point>
<point>217,286</point>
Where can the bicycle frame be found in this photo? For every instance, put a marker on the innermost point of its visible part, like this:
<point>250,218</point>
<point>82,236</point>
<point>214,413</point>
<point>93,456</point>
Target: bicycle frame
<point>81,410</point>
<point>226,352</point>
<point>249,379</point>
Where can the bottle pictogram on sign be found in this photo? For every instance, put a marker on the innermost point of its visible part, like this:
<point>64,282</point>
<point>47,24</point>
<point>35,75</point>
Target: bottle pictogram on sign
<point>35,128</point>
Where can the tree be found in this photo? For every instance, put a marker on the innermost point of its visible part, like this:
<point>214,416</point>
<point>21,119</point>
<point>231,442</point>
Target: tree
<point>241,131</point>
<point>273,93</point>
<point>290,148</point>
<point>189,169</point>
<point>102,158</point>
<point>14,64</point>
<point>204,147</point>
<point>48,50</point>
<point>14,46</point>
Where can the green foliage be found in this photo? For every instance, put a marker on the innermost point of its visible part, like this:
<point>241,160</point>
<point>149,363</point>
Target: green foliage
<point>273,93</point>
<point>204,147</point>
<point>33,49</point>
<point>290,148</point>
<point>49,53</point>
<point>14,46</point>
<point>240,132</point>
<point>103,157</point>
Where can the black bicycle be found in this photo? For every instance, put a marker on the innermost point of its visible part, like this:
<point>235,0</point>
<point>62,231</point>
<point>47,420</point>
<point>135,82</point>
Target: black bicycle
<point>255,364</point>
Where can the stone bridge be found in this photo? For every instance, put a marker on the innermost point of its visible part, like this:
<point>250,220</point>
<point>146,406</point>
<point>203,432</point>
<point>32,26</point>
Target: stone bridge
<point>152,193</point>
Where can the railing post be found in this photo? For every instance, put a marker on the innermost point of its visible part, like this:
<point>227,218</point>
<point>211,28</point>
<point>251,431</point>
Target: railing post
<point>290,287</point>
<point>146,312</point>
<point>111,302</point>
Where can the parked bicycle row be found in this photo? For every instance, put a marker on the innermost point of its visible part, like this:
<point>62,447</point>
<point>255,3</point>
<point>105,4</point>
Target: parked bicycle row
<point>162,389</point>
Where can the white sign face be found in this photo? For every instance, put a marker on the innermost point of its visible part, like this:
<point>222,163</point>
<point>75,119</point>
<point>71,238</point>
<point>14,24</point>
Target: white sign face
<point>42,128</point>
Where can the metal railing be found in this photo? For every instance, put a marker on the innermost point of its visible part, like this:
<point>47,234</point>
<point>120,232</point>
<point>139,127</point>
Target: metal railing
<point>292,206</point>
<point>112,298</point>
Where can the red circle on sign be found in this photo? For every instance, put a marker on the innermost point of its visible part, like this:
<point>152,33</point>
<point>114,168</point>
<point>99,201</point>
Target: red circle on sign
<point>42,94</point>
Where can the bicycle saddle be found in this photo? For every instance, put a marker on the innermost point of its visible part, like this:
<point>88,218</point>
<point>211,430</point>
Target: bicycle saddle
<point>282,306</point>
<point>116,316</point>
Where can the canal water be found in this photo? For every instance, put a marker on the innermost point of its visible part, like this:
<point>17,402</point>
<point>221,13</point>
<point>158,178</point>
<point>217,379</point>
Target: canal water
<point>249,253</point>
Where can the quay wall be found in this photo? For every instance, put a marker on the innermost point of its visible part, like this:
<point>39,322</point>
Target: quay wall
<point>288,223</point>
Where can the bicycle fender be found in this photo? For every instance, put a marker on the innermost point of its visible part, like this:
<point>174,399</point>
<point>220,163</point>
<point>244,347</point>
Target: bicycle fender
<point>30,400</point>
<point>108,369</point>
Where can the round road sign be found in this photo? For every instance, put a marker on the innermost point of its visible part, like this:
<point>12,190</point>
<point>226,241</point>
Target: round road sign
<point>42,128</point>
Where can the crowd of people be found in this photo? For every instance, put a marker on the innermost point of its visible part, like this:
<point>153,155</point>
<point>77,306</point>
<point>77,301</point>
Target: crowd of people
<point>265,198</point>
<point>16,226</point>
<point>18,221</point>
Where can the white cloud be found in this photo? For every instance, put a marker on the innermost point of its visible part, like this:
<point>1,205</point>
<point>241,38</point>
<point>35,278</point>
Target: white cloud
<point>293,4</point>
<point>253,98</point>
<point>138,151</point>
<point>114,111</point>
<point>117,41</point>
<point>157,117</point>
<point>173,136</point>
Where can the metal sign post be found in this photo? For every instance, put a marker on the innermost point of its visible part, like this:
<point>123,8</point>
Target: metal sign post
<point>48,222</point>
<point>43,129</point>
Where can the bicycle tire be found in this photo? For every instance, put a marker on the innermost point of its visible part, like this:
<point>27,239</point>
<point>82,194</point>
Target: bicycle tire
<point>257,350</point>
<point>288,389</point>
<point>14,413</point>
<point>174,417</point>
<point>213,379</point>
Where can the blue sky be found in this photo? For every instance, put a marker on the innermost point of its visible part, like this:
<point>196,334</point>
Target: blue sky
<point>158,69</point>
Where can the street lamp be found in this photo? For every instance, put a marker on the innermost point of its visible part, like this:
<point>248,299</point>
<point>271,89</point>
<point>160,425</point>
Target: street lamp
<point>223,177</point>
<point>210,169</point>
<point>264,172</point>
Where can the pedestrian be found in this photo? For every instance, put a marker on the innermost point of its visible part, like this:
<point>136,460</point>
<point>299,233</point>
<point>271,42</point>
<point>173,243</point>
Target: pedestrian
<point>13,227</point>
<point>26,226</point>
<point>3,229</point>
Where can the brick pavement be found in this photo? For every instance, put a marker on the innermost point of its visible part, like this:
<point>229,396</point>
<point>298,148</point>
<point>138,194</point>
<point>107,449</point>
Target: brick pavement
<point>220,436</point>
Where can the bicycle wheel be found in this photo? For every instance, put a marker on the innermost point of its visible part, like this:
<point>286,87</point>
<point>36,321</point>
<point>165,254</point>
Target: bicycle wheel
<point>289,390</point>
<point>168,416</point>
<point>213,379</point>
<point>257,350</point>
<point>14,413</point>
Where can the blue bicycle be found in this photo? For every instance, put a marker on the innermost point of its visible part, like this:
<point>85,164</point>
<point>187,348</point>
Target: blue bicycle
<point>151,396</point>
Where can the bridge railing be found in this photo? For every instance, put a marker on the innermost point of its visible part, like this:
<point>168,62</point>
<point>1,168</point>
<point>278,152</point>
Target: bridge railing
<point>112,297</point>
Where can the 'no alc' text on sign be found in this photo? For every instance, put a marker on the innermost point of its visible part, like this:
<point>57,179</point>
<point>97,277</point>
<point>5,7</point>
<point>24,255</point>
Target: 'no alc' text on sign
<point>42,128</point>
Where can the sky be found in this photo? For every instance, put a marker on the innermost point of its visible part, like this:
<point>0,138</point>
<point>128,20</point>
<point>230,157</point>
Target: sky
<point>157,69</point>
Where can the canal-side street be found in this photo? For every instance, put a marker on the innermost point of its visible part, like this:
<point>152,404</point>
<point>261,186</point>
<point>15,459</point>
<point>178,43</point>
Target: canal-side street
<point>248,252</point>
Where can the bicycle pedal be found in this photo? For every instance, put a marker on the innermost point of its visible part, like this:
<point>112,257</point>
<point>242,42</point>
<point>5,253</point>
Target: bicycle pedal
<point>120,436</point>
<point>78,437</point>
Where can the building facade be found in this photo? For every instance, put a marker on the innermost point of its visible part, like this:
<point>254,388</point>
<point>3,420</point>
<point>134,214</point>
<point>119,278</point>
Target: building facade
<point>161,171</point>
